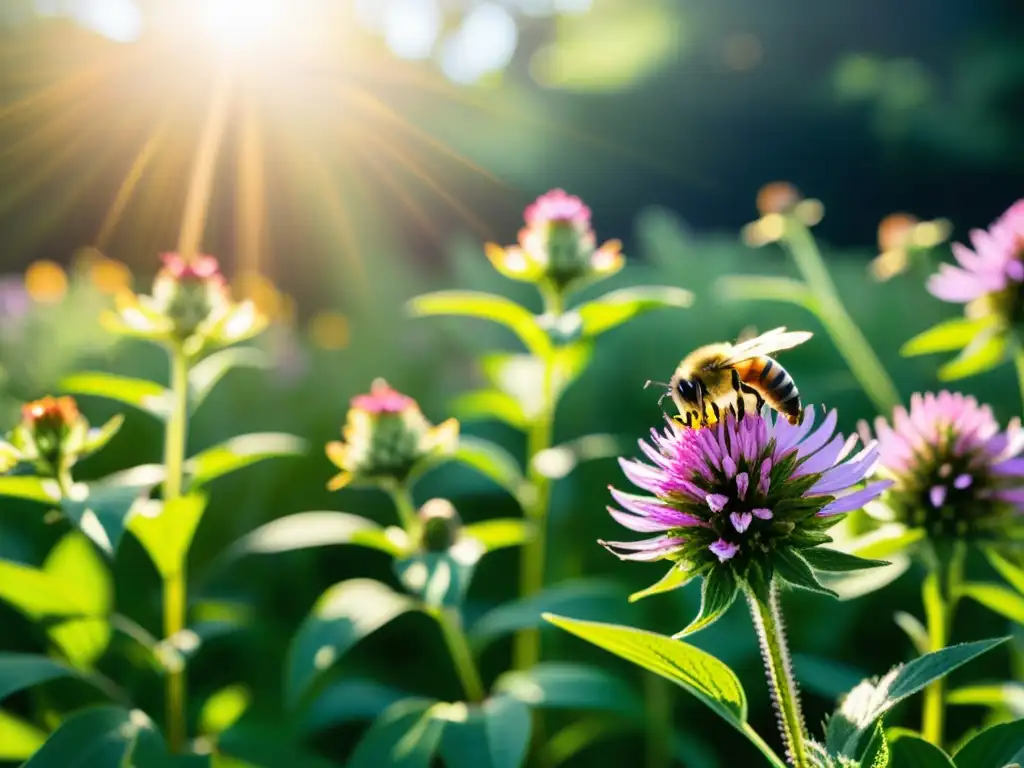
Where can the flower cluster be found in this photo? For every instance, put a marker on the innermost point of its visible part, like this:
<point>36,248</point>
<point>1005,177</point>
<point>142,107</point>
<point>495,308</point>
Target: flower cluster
<point>955,473</point>
<point>190,306</point>
<point>990,277</point>
<point>742,492</point>
<point>557,246</point>
<point>387,438</point>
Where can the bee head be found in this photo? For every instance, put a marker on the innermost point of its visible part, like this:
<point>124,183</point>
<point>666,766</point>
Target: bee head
<point>687,390</point>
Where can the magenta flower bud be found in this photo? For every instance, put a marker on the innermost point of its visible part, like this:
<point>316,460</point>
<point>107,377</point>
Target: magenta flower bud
<point>190,294</point>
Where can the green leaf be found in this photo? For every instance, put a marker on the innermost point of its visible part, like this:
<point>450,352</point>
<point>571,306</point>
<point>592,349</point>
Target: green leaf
<point>997,598</point>
<point>490,404</point>
<point>1013,574</point>
<point>885,541</point>
<point>996,747</point>
<point>913,629</point>
<point>239,452</point>
<point>616,307</point>
<point>144,395</point>
<point>223,709</point>
<point>495,734</point>
<point>717,594</point>
<point>206,374</point>
<point>758,288</point>
<point>487,307</point>
<point>794,569</point>
<point>406,735</point>
<point>870,701</point>
<point>557,462</point>
<point>439,578</point>
<point>701,674</point>
<point>1008,695</point>
<point>346,700</point>
<point>947,336</point>
<point>834,561</point>
<point>72,592</point>
<point>676,577</point>
<point>499,533</point>
<point>102,737</point>
<point>985,352</point>
<point>569,362</point>
<point>101,509</point>
<point>342,616</point>
<point>305,530</point>
<point>18,738</point>
<point>878,752</point>
<point>25,670</point>
<point>96,439</point>
<point>911,751</point>
<point>494,462</point>
<point>568,685</point>
<point>589,598</point>
<point>165,530</point>
<point>31,488</point>
<point>854,584</point>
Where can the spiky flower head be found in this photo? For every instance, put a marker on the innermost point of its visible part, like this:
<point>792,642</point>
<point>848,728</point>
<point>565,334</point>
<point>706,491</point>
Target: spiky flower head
<point>190,305</point>
<point>53,435</point>
<point>744,501</point>
<point>387,437</point>
<point>557,245</point>
<point>955,473</point>
<point>989,278</point>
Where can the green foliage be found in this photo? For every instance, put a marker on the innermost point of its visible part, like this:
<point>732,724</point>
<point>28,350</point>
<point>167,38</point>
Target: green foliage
<point>495,734</point>
<point>485,307</point>
<point>911,751</point>
<point>718,593</point>
<point>143,395</point>
<point>998,598</point>
<point>995,747</point>
<point>165,530</point>
<point>103,737</point>
<point>567,685</point>
<point>617,307</point>
<point>869,701</point>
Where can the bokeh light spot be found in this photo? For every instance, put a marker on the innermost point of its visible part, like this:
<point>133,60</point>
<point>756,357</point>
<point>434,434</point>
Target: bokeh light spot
<point>411,27</point>
<point>329,330</point>
<point>483,44</point>
<point>46,281</point>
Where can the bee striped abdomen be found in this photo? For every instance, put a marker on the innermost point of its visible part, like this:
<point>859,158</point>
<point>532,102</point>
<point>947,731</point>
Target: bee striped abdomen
<point>774,385</point>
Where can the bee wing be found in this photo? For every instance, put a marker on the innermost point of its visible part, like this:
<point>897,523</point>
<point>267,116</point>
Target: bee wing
<point>770,341</point>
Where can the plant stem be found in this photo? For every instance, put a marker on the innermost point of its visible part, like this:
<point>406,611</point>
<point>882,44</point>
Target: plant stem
<point>764,608</point>
<point>658,701</point>
<point>406,507</point>
<point>1018,360</point>
<point>847,337</point>
<point>939,595</point>
<point>174,593</point>
<point>451,627</point>
<point>538,439</point>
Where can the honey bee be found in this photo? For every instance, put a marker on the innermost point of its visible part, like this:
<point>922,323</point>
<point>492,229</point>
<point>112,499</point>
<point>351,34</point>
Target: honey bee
<point>739,377</point>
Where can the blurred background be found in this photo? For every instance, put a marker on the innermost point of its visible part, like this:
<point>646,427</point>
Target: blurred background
<point>340,157</point>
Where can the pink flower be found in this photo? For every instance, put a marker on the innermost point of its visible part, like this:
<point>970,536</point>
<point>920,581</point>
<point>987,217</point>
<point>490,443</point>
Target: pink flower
<point>557,205</point>
<point>955,472</point>
<point>995,265</point>
<point>202,268</point>
<point>382,399</point>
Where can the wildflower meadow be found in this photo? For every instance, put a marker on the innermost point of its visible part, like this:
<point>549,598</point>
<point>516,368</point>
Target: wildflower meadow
<point>570,496</point>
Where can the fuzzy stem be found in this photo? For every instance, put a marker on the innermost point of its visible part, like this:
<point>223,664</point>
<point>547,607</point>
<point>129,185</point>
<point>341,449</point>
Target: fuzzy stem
<point>764,608</point>
<point>451,627</point>
<point>538,438</point>
<point>174,590</point>
<point>939,594</point>
<point>832,313</point>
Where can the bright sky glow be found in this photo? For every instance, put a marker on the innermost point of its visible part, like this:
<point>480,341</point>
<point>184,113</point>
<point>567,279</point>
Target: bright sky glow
<point>117,20</point>
<point>411,27</point>
<point>484,43</point>
<point>241,24</point>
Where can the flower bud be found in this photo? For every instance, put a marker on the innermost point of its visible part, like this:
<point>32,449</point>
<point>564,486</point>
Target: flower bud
<point>440,525</point>
<point>387,437</point>
<point>557,245</point>
<point>189,294</point>
<point>48,432</point>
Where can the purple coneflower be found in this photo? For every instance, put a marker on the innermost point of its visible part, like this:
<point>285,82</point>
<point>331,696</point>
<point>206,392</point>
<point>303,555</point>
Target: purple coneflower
<point>755,491</point>
<point>955,473</point>
<point>990,276</point>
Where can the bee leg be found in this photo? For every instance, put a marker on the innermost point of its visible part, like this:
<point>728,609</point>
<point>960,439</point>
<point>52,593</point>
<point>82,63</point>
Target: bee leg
<point>758,400</point>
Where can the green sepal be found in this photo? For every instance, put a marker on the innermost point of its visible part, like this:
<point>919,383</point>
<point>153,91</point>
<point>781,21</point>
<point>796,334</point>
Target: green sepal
<point>678,576</point>
<point>791,566</point>
<point>834,561</point>
<point>717,595</point>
